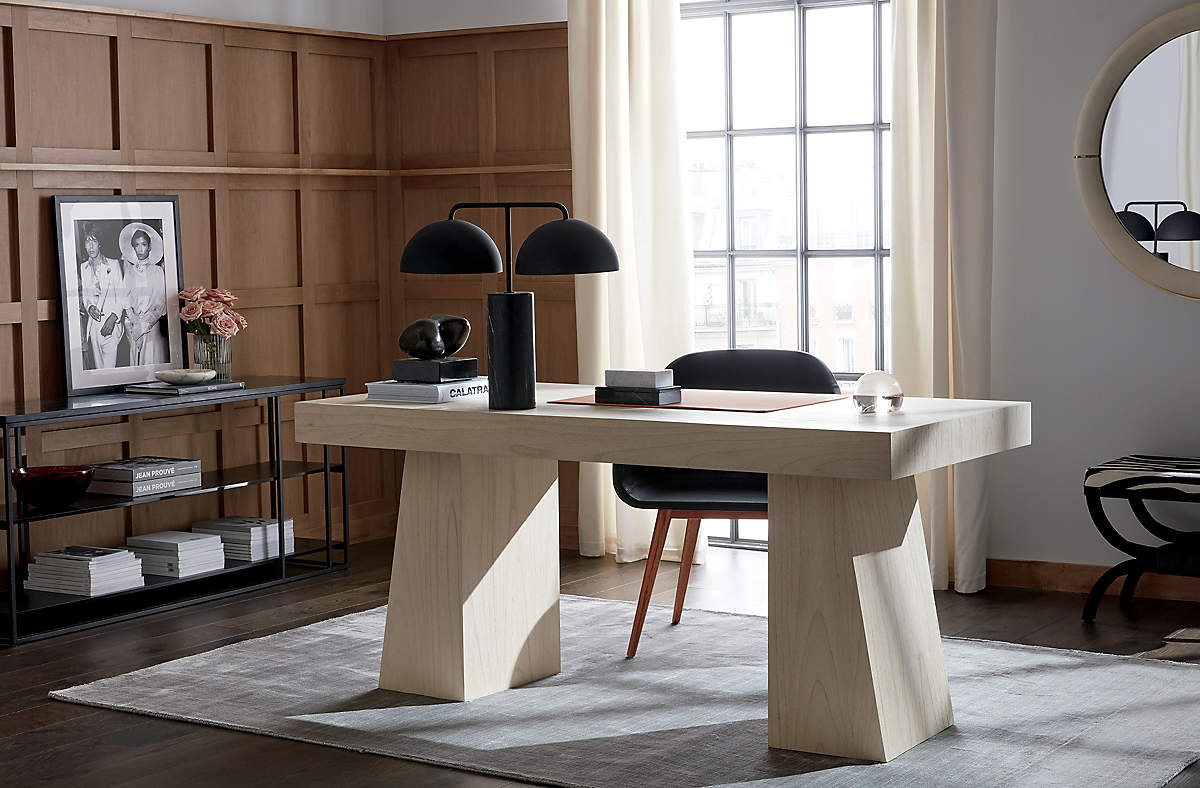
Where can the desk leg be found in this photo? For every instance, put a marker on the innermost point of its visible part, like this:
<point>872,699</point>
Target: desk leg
<point>473,603</point>
<point>854,652</point>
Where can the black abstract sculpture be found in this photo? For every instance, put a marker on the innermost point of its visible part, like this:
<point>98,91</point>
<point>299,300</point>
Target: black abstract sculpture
<point>432,342</point>
<point>436,336</point>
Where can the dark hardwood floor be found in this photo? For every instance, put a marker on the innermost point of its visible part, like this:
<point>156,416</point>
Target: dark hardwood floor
<point>48,742</point>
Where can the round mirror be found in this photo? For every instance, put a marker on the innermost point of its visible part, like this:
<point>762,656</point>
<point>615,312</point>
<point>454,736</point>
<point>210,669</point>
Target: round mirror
<point>1138,152</point>
<point>1150,152</point>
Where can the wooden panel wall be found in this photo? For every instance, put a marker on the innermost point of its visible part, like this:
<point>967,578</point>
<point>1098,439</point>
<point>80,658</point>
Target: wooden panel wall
<point>485,117</point>
<point>274,142</point>
<point>303,161</point>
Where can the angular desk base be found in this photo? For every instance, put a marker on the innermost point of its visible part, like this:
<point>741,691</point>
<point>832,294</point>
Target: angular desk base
<point>473,602</point>
<point>854,652</point>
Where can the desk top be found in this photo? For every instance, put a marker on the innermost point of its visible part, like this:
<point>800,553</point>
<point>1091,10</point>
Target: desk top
<point>830,439</point>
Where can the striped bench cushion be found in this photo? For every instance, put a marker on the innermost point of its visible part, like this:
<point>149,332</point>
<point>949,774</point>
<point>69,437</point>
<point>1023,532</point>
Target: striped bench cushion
<point>1147,472</point>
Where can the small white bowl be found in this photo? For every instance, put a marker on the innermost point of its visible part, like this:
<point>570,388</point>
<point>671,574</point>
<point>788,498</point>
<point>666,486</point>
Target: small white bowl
<point>185,377</point>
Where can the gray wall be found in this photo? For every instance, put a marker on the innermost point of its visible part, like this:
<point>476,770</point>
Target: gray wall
<point>362,16</point>
<point>416,16</point>
<point>359,16</point>
<point>1109,362</point>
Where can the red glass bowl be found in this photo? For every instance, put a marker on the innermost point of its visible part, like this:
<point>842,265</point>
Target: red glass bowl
<point>54,486</point>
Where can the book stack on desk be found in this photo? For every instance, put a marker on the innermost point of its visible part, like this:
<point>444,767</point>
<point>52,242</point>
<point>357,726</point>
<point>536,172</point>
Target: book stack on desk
<point>85,571</point>
<point>139,476</point>
<point>638,387</point>
<point>178,553</point>
<point>249,538</point>
<point>403,391</point>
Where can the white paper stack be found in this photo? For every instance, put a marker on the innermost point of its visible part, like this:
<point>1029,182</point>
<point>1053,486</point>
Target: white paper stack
<point>178,553</point>
<point>249,538</point>
<point>85,571</point>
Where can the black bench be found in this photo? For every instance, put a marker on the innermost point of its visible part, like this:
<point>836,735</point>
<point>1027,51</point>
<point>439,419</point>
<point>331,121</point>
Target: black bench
<point>1138,478</point>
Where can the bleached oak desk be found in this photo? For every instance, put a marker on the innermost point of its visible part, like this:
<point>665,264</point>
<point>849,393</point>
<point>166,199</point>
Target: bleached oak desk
<point>854,653</point>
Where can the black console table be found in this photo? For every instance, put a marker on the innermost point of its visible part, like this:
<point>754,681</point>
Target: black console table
<point>33,615</point>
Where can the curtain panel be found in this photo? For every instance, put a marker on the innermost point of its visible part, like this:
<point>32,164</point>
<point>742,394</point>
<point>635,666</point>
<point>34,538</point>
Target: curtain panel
<point>627,179</point>
<point>943,141</point>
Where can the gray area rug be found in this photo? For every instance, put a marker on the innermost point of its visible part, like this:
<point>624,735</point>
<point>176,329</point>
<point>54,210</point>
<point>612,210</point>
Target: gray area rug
<point>690,710</point>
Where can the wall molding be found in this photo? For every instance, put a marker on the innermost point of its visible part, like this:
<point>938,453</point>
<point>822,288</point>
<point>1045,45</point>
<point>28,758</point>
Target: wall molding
<point>1079,578</point>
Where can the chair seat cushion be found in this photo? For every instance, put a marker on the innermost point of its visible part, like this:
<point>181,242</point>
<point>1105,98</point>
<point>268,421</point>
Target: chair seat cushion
<point>645,487</point>
<point>1146,473</point>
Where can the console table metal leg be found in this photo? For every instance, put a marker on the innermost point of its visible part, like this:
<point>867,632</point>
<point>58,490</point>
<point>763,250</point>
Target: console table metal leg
<point>328,499</point>
<point>271,449</point>
<point>345,500</point>
<point>277,486</point>
<point>23,557</point>
<point>10,530</point>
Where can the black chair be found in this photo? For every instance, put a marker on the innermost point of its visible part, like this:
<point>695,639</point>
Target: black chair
<point>692,495</point>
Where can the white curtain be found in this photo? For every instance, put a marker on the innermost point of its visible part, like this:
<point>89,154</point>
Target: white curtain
<point>1188,255</point>
<point>627,179</point>
<point>942,136</point>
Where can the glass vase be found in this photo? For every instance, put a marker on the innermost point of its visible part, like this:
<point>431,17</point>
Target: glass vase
<point>213,352</point>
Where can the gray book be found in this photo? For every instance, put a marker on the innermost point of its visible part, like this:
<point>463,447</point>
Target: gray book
<point>137,469</point>
<point>639,378</point>
<point>148,487</point>
<point>174,542</point>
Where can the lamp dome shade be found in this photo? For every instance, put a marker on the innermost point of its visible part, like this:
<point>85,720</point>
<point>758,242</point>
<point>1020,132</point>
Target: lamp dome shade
<point>450,246</point>
<point>1136,225</point>
<point>1180,226</point>
<point>566,246</point>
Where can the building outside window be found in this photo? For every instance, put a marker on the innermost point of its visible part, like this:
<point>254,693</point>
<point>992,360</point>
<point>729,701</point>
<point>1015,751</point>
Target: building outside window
<point>787,107</point>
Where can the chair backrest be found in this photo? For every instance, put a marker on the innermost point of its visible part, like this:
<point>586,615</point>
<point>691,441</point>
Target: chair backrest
<point>753,369</point>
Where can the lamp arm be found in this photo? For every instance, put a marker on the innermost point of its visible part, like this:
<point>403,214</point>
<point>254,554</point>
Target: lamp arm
<point>508,206</point>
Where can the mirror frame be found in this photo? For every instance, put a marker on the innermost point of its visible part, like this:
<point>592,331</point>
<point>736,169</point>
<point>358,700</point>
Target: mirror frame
<point>1088,174</point>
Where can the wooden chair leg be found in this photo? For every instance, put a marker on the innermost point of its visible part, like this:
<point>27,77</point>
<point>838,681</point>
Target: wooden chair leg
<point>685,565</point>
<point>661,525</point>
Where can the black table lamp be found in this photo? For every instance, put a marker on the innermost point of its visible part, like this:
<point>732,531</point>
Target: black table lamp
<point>561,246</point>
<point>1183,225</point>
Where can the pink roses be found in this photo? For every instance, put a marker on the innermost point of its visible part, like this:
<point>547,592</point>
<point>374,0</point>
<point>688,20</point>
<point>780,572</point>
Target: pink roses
<point>207,311</point>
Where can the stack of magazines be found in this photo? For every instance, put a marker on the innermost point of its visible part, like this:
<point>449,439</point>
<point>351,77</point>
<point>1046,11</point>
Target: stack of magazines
<point>249,538</point>
<point>139,476</point>
<point>85,571</point>
<point>178,553</point>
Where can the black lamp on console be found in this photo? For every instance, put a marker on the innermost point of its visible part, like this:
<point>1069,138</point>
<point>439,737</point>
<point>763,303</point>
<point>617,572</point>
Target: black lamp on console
<point>561,246</point>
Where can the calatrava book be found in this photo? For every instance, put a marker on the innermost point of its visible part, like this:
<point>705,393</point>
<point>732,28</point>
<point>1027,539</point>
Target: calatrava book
<point>426,393</point>
<point>140,469</point>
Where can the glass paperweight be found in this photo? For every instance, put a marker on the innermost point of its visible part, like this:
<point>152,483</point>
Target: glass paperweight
<point>878,391</point>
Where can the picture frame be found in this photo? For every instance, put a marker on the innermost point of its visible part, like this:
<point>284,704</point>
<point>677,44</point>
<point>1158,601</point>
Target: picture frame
<point>119,270</point>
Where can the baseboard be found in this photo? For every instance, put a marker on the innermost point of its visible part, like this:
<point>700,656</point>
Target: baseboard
<point>1079,578</point>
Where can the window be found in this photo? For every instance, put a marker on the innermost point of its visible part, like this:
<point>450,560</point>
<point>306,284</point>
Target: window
<point>787,106</point>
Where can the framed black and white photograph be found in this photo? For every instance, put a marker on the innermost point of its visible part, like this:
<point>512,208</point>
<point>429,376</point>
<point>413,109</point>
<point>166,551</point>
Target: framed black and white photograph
<point>121,272</point>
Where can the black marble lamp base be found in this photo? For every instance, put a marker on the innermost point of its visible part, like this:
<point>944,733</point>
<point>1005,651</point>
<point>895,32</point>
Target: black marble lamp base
<point>434,370</point>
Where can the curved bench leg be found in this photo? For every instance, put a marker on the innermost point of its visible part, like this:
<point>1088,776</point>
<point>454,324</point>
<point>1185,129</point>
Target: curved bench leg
<point>1128,588</point>
<point>1106,579</point>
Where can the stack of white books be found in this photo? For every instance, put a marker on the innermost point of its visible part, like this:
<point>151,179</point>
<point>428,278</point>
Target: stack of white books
<point>249,538</point>
<point>85,571</point>
<point>178,553</point>
<point>450,391</point>
<point>139,476</point>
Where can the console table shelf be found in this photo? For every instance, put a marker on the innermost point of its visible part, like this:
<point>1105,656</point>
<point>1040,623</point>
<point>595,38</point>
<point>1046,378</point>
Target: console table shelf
<point>211,481</point>
<point>33,615</point>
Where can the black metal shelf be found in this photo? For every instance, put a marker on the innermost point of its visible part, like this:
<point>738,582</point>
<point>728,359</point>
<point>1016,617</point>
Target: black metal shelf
<point>210,481</point>
<point>34,615</point>
<point>37,601</point>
